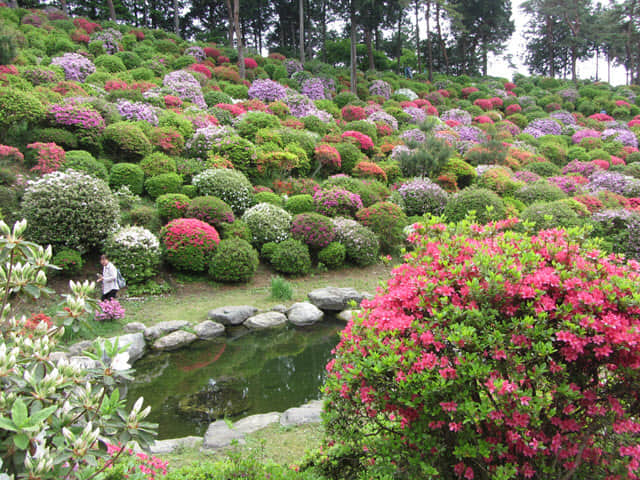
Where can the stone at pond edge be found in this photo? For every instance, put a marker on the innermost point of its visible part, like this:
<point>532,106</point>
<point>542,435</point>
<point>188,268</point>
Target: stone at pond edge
<point>235,315</point>
<point>79,348</point>
<point>256,422</point>
<point>160,329</point>
<point>174,341</point>
<point>171,445</point>
<point>219,435</point>
<point>334,298</point>
<point>80,361</point>
<point>279,308</point>
<point>266,320</point>
<point>308,413</point>
<point>304,313</point>
<point>346,315</point>
<point>136,344</point>
<point>134,327</point>
<point>208,329</point>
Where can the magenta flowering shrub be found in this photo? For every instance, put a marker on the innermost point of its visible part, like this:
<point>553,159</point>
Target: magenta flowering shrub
<point>337,202</point>
<point>364,141</point>
<point>571,185</point>
<point>585,133</point>
<point>267,90</point>
<point>316,230</point>
<point>526,176</point>
<point>76,67</point>
<point>79,116</point>
<point>582,168</point>
<point>109,310</point>
<point>138,111</point>
<point>189,243</point>
<point>512,364</point>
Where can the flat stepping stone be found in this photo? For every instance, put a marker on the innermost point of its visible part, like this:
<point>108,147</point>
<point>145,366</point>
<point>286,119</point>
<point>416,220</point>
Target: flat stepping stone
<point>134,327</point>
<point>173,444</point>
<point>235,315</point>
<point>334,298</point>
<point>266,320</point>
<point>303,314</point>
<point>161,329</point>
<point>208,330</point>
<point>174,341</point>
<point>219,435</point>
<point>308,413</point>
<point>256,422</point>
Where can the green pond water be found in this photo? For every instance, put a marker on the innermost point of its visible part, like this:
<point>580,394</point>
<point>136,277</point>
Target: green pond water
<point>239,375</point>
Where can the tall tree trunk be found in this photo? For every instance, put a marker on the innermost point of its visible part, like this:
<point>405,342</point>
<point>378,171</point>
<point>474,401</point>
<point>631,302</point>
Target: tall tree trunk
<point>239,39</point>
<point>145,13</point>
<point>484,61</point>
<point>176,18</point>
<point>301,13</point>
<point>440,39</point>
<point>232,24</point>
<point>323,10</point>
<point>552,60</point>
<point>112,10</point>
<point>597,62</point>
<point>608,68</point>
<point>368,42</point>
<point>354,59</point>
<point>399,46</point>
<point>574,61</point>
<point>417,11</point>
<point>429,47</point>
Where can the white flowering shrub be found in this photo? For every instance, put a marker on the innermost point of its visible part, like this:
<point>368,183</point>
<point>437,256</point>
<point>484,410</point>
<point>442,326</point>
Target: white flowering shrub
<point>70,209</point>
<point>57,418</point>
<point>268,223</point>
<point>407,92</point>
<point>136,252</point>
<point>360,242</point>
<point>228,185</point>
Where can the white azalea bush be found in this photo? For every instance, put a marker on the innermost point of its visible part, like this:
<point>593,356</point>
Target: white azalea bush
<point>136,252</point>
<point>267,223</point>
<point>70,209</point>
<point>57,418</point>
<point>228,185</point>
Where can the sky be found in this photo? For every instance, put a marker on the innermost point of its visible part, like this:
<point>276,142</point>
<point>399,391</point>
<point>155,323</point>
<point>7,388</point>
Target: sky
<point>500,67</point>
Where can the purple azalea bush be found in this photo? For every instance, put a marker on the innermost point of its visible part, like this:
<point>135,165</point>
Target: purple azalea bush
<point>382,116</point>
<point>81,116</point>
<point>457,115</point>
<point>313,88</point>
<point>110,39</point>
<point>543,126</point>
<point>422,196</point>
<point>337,202</point>
<point>196,52</point>
<point>583,168</point>
<point>614,182</point>
<point>413,135</point>
<point>584,133</point>
<point>185,86</point>
<point>76,67</point>
<point>417,114</point>
<point>380,88</point>
<point>564,117</point>
<point>138,111</point>
<point>622,135</point>
<point>267,90</point>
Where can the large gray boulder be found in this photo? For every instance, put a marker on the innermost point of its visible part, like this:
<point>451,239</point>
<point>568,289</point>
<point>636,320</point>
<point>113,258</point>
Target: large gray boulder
<point>134,327</point>
<point>208,330</point>
<point>135,342</point>
<point>174,341</point>
<point>303,314</point>
<point>163,447</point>
<point>334,298</point>
<point>219,435</point>
<point>161,329</point>
<point>79,348</point>
<point>308,413</point>
<point>266,320</point>
<point>235,315</point>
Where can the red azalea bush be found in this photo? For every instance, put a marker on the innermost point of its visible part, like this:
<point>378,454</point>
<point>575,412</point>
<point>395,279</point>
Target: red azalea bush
<point>491,354</point>
<point>592,203</point>
<point>313,229</point>
<point>189,243</point>
<point>203,69</point>
<point>369,170</point>
<point>351,113</point>
<point>466,91</point>
<point>111,85</point>
<point>49,157</point>
<point>386,220</point>
<point>484,103</point>
<point>364,141</point>
<point>234,110</point>
<point>296,186</point>
<point>513,108</point>
<point>327,156</point>
<point>10,154</point>
<point>172,101</point>
<point>167,139</point>
<point>250,63</point>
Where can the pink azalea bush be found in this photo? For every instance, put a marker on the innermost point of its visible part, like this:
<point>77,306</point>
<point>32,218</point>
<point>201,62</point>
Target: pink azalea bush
<point>49,157</point>
<point>491,354</point>
<point>189,243</point>
<point>109,310</point>
<point>364,141</point>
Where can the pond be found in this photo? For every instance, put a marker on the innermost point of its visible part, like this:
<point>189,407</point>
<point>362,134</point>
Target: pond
<point>245,373</point>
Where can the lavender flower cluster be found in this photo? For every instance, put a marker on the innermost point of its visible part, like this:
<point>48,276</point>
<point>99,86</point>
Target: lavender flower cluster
<point>624,136</point>
<point>110,39</point>
<point>569,94</point>
<point>398,150</point>
<point>300,105</point>
<point>384,117</point>
<point>76,67</point>
<point>457,115</point>
<point>614,182</point>
<point>423,196</point>
<point>185,86</point>
<point>82,116</point>
<point>267,90</point>
<point>414,135</point>
<point>293,66</point>
<point>138,111</point>
<point>543,126</point>
<point>204,138</point>
<point>563,116</point>
<point>526,176</point>
<point>470,134</point>
<point>585,133</point>
<point>313,88</point>
<point>196,52</point>
<point>380,88</point>
<point>417,114</point>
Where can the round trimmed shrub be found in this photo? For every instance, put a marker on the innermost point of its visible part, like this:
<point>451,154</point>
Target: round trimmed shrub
<point>125,141</point>
<point>17,107</point>
<point>313,229</point>
<point>296,204</point>
<point>136,252</point>
<point>269,197</point>
<point>544,169</point>
<point>189,243</point>
<point>337,202</point>
<point>267,250</point>
<point>163,183</point>
<point>487,382</point>
<point>350,156</point>
<point>360,242</point>
<point>70,209</point>
<point>82,161</point>
<point>145,216</point>
<point>546,215</point>
<point>228,185</point>
<point>172,205</point>
<point>386,220</point>
<point>129,174</point>
<point>477,199</point>
<point>235,260</point>
<point>237,229</point>
<point>211,210</point>
<point>333,255</point>
<point>69,261</point>
<point>251,122</point>
<point>541,191</point>
<point>291,257</point>
<point>158,163</point>
<point>267,223</point>
<point>422,196</point>
<point>110,63</point>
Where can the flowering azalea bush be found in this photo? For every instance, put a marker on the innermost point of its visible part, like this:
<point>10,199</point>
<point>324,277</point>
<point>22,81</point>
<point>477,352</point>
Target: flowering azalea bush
<point>511,365</point>
<point>268,223</point>
<point>364,141</point>
<point>327,156</point>
<point>49,157</point>
<point>109,310</point>
<point>136,252</point>
<point>228,185</point>
<point>76,67</point>
<point>189,243</point>
<point>313,229</point>
<point>337,202</point>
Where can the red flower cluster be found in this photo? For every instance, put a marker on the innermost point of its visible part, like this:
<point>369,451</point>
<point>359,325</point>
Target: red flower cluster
<point>50,157</point>
<point>327,156</point>
<point>468,91</point>
<point>234,110</point>
<point>250,63</point>
<point>86,25</point>
<point>351,113</point>
<point>200,68</point>
<point>364,141</point>
<point>189,243</point>
<point>369,170</point>
<point>601,117</point>
<point>513,108</point>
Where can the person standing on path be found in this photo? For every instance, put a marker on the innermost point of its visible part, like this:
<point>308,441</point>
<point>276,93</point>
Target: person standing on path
<point>108,278</point>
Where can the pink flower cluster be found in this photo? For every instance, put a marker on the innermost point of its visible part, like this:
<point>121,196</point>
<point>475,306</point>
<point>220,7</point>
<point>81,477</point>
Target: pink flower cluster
<point>364,141</point>
<point>50,157</point>
<point>10,153</point>
<point>110,310</point>
<point>150,466</point>
<point>81,116</point>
